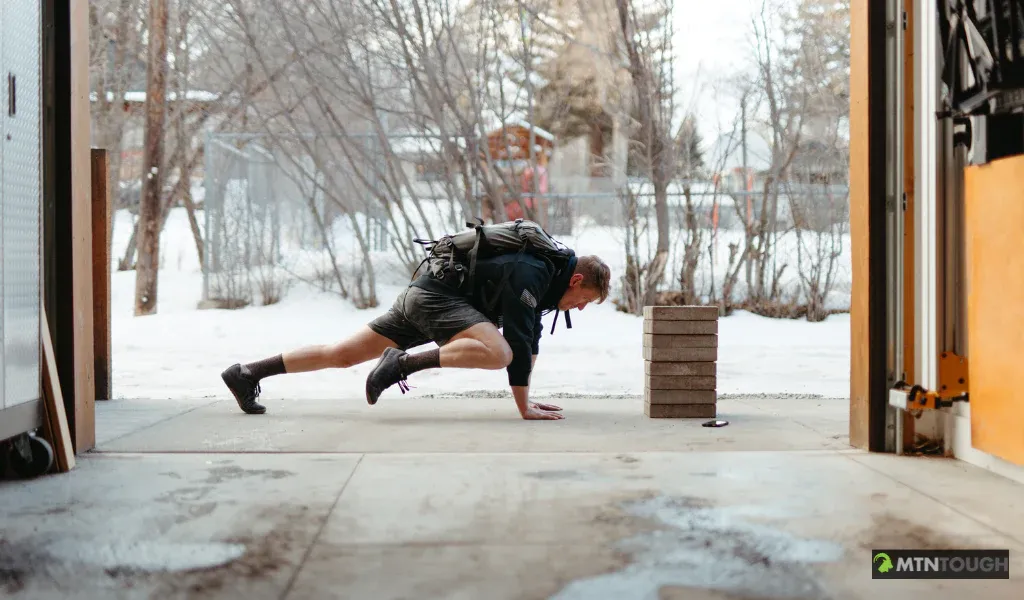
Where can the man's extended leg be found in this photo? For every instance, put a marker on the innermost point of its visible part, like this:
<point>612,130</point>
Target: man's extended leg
<point>365,345</point>
<point>244,380</point>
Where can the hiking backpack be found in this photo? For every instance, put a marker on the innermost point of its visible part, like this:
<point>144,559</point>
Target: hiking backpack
<point>453,258</point>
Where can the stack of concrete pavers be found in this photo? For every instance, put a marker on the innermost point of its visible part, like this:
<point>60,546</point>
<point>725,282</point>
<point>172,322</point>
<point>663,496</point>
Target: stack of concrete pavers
<point>680,361</point>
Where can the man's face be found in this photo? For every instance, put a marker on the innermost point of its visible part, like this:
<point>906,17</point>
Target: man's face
<point>576,296</point>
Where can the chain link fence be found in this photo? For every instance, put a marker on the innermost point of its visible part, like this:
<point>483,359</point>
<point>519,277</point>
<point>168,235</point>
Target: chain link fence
<point>278,209</point>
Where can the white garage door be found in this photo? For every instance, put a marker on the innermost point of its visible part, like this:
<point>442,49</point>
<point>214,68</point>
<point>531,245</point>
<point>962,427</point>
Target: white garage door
<point>20,200</point>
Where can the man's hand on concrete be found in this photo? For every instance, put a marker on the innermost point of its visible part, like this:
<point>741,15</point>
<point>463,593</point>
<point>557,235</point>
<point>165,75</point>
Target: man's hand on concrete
<point>546,407</point>
<point>541,412</point>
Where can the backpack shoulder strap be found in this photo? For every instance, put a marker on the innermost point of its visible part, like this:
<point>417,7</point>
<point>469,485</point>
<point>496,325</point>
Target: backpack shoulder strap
<point>473,254</point>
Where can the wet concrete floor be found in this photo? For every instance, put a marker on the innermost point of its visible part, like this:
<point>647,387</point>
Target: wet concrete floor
<point>458,498</point>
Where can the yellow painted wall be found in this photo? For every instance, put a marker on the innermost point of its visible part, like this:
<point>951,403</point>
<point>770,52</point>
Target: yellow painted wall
<point>994,196</point>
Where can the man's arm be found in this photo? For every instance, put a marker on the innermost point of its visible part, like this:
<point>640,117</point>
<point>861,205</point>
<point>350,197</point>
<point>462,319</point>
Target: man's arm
<point>522,392</point>
<point>521,324</point>
<point>534,410</point>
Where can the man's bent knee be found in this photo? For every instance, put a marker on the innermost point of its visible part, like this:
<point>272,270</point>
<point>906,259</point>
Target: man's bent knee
<point>506,356</point>
<point>495,352</point>
<point>500,355</point>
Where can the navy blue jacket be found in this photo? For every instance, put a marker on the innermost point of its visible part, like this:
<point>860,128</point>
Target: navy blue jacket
<point>533,289</point>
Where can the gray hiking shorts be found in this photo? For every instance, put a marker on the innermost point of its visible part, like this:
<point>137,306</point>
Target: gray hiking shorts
<point>420,316</point>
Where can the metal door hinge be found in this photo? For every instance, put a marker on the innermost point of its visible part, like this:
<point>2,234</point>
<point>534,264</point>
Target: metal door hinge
<point>904,20</point>
<point>904,202</point>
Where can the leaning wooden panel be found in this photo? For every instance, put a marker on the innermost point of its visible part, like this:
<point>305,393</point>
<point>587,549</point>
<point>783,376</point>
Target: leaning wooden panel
<point>56,418</point>
<point>994,227</point>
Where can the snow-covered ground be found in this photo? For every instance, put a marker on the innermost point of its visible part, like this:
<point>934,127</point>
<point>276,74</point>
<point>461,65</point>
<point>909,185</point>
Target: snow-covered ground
<point>181,351</point>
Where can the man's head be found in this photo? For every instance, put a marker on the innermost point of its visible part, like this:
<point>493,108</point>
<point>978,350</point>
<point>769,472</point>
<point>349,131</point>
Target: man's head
<point>589,283</point>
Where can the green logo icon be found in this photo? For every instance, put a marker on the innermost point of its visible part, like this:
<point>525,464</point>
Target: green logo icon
<point>886,565</point>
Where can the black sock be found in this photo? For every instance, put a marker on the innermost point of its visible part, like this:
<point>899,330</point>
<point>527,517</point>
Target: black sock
<point>431,359</point>
<point>267,367</point>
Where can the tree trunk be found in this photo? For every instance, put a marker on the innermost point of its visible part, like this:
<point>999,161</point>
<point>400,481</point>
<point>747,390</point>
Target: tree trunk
<point>656,270</point>
<point>181,61</point>
<point>650,97</point>
<point>147,269</point>
<point>691,251</point>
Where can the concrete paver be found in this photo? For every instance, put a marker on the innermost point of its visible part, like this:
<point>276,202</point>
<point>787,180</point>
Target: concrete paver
<point>457,498</point>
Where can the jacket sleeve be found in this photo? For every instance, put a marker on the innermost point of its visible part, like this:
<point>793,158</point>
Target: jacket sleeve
<point>520,318</point>
<point>538,329</point>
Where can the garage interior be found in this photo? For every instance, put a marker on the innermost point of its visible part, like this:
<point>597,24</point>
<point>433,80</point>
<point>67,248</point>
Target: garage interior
<point>936,164</point>
<point>182,498</point>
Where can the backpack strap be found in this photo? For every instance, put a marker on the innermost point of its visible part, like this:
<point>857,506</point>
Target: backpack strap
<point>472,255</point>
<point>425,244</point>
<point>504,279</point>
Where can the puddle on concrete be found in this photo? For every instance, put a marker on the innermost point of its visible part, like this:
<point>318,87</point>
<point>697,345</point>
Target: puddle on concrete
<point>222,474</point>
<point>706,547</point>
<point>148,557</point>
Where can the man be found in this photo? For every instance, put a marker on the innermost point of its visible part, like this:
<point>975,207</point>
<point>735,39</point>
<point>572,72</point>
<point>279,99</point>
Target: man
<point>464,326</point>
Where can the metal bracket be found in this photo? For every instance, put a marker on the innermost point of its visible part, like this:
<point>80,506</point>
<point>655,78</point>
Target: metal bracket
<point>916,398</point>
<point>952,375</point>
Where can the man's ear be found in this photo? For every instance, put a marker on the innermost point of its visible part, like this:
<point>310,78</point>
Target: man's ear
<point>576,279</point>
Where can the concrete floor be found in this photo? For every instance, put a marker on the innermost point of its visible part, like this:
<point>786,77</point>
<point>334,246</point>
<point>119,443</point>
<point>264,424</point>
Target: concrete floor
<point>457,498</point>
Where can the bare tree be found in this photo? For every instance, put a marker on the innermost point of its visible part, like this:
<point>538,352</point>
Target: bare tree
<point>149,209</point>
<point>692,226</point>
<point>650,69</point>
<point>820,246</point>
<point>818,193</point>
<point>183,145</point>
<point>209,93</point>
<point>799,108</point>
<point>116,62</point>
<point>786,98</point>
<point>730,138</point>
<point>371,86</point>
